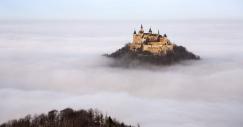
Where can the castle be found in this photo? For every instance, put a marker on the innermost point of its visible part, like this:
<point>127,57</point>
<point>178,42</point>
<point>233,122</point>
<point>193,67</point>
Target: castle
<point>150,42</point>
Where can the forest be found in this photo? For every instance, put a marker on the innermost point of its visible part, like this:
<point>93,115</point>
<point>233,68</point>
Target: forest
<point>66,118</point>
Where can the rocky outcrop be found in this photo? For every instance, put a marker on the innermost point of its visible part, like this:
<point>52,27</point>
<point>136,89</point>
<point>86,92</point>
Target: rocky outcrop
<point>126,56</point>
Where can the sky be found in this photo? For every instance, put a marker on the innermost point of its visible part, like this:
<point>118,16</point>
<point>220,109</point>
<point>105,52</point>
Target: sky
<point>121,9</point>
<point>55,65</point>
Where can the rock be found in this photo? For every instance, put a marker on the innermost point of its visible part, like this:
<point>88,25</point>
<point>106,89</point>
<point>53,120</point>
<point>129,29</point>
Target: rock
<point>126,56</point>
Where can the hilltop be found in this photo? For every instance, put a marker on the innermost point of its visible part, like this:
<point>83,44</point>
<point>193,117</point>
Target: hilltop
<point>66,118</point>
<point>152,48</point>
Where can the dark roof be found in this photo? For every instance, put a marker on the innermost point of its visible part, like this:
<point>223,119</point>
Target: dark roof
<point>150,30</point>
<point>151,34</point>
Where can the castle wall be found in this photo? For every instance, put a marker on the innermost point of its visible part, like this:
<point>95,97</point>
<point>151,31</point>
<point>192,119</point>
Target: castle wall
<point>134,46</point>
<point>163,40</point>
<point>157,49</point>
<point>137,39</point>
<point>155,43</point>
<point>151,38</point>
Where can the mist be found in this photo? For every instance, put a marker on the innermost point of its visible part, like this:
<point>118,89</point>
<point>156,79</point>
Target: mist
<point>49,65</point>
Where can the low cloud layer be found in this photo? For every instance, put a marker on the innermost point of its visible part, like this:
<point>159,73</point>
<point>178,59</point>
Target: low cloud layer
<point>56,65</point>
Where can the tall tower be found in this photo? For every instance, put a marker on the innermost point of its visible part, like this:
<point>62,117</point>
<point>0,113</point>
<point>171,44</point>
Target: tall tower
<point>134,36</point>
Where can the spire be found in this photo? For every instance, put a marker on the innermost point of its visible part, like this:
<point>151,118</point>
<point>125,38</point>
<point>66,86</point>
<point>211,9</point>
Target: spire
<point>150,30</point>
<point>134,32</point>
<point>158,32</point>
<point>141,29</point>
<point>165,35</point>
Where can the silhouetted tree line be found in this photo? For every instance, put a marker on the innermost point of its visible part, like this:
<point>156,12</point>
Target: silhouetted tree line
<point>66,118</point>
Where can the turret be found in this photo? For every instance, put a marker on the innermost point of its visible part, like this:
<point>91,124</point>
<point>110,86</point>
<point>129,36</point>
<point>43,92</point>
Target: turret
<point>136,37</point>
<point>158,32</point>
<point>165,35</point>
<point>134,32</point>
<point>141,29</point>
<point>150,30</point>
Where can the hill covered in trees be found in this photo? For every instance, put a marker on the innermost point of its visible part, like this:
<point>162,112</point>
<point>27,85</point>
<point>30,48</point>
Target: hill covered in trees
<point>66,118</point>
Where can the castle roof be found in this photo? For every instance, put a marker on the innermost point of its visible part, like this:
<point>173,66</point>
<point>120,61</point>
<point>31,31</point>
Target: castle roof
<point>150,30</point>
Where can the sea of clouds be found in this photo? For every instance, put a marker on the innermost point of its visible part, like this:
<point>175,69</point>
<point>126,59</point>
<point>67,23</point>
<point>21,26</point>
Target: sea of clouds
<point>49,65</point>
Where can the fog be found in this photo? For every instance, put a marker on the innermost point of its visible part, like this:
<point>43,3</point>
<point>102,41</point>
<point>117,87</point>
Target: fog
<point>49,65</point>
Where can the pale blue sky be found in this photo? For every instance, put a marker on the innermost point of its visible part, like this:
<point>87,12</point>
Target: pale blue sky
<point>121,9</point>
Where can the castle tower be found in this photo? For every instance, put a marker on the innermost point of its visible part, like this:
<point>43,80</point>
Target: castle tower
<point>141,31</point>
<point>136,37</point>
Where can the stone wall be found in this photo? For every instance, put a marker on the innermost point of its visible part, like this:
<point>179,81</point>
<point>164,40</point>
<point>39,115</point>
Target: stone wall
<point>155,44</point>
<point>157,49</point>
<point>137,39</point>
<point>134,46</point>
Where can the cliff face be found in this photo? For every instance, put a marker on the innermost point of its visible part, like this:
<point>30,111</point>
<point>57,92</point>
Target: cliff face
<point>171,56</point>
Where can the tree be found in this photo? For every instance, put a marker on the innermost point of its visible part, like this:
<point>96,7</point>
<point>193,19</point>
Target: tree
<point>66,118</point>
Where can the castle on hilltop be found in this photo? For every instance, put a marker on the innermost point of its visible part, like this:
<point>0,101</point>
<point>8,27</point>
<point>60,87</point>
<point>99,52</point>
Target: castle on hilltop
<point>150,42</point>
